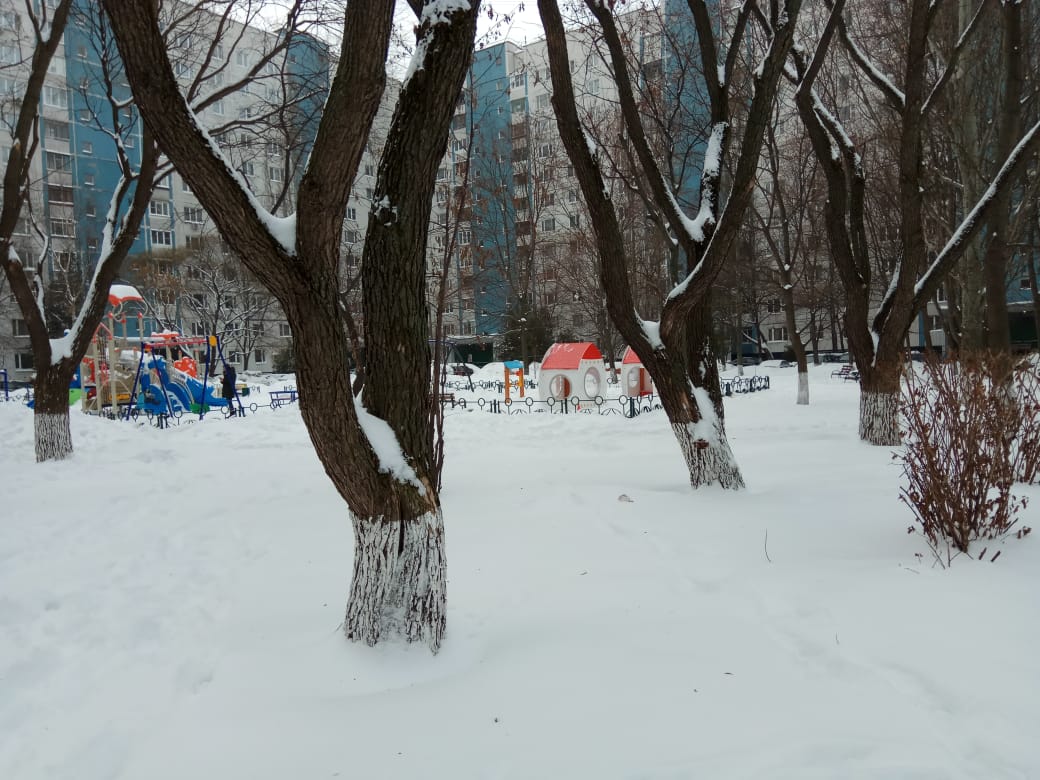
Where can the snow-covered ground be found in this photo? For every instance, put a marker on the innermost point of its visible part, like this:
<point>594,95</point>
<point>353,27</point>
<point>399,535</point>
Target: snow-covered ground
<point>170,607</point>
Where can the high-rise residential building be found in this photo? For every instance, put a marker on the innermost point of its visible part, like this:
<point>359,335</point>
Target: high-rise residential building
<point>507,192</point>
<point>266,128</point>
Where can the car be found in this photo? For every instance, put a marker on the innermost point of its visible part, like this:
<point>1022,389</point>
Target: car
<point>460,369</point>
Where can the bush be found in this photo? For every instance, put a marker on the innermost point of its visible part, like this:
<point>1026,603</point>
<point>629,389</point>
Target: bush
<point>972,429</point>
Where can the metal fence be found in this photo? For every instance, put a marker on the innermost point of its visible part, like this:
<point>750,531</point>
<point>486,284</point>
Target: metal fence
<point>626,406</point>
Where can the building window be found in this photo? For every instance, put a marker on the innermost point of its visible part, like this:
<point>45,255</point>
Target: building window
<point>88,147</point>
<point>58,131</point>
<point>352,213</point>
<point>159,208</point>
<point>8,20</point>
<point>91,210</point>
<point>778,333</point>
<point>194,215</point>
<point>284,330</point>
<point>773,307</point>
<point>246,169</point>
<point>63,228</point>
<point>162,238</point>
<point>548,225</point>
<point>274,172</point>
<point>88,180</point>
<point>242,58</point>
<point>542,101</point>
<point>575,221</point>
<point>198,329</point>
<point>59,193</point>
<point>56,161</point>
<point>465,237</point>
<point>19,328</point>
<point>23,361</point>
<point>594,86</point>
<point>517,106</point>
<point>1023,284</point>
<point>517,80</point>
<point>259,356</point>
<point>56,97</point>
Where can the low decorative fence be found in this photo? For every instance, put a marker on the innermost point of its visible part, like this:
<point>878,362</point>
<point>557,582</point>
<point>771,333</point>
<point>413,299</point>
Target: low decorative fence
<point>626,406</point>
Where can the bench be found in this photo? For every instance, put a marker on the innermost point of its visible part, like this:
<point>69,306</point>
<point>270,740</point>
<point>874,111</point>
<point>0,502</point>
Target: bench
<point>279,397</point>
<point>446,398</point>
<point>846,372</point>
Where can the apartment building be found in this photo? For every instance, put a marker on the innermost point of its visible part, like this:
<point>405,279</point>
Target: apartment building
<point>186,276</point>
<point>507,192</point>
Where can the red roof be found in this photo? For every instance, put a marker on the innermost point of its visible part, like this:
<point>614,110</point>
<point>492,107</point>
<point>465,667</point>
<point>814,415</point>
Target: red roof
<point>121,293</point>
<point>631,358</point>
<point>567,356</point>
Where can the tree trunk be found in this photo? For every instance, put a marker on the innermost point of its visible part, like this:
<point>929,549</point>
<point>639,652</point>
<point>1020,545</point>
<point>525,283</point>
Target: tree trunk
<point>399,585</point>
<point>692,399</point>
<point>51,432</point>
<point>803,387</point>
<point>879,404</point>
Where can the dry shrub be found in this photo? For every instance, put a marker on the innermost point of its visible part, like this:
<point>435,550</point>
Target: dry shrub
<point>971,432</point>
<point>1026,453</point>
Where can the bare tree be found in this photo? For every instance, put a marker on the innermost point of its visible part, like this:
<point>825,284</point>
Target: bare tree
<point>677,351</point>
<point>56,359</point>
<point>877,342</point>
<point>379,452</point>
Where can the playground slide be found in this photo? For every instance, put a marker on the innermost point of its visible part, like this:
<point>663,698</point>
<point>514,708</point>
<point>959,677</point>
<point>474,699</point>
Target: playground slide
<point>180,400</point>
<point>196,387</point>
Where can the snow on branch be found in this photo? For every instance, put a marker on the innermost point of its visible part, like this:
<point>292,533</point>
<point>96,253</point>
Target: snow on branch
<point>975,218</point>
<point>281,229</point>
<point>951,65</point>
<point>873,72</point>
<point>383,441</point>
<point>433,13</point>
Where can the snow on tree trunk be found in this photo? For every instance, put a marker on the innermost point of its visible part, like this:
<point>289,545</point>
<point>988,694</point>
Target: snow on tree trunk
<point>704,445</point>
<point>709,459</point>
<point>399,585</point>
<point>803,388</point>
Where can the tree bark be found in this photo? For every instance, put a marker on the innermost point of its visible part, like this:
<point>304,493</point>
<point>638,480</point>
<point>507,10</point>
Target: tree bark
<point>879,404</point>
<point>51,432</point>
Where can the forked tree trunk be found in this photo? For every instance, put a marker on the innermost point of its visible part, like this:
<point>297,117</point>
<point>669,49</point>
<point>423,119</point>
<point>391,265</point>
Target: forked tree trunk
<point>879,405</point>
<point>51,432</point>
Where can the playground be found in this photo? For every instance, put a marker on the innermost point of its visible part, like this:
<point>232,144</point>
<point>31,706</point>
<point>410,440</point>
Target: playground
<point>184,626</point>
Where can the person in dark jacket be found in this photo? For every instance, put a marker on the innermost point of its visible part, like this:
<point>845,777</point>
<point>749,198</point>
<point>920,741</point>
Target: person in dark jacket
<point>227,387</point>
